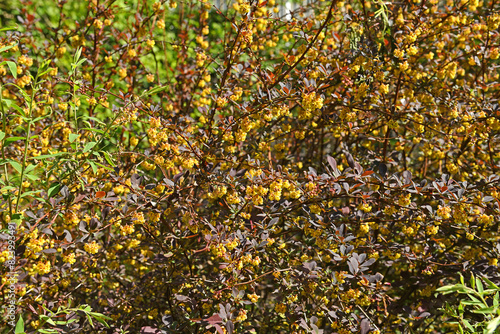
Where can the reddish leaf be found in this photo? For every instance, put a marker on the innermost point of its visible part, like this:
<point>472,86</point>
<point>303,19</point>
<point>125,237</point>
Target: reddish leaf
<point>150,330</point>
<point>365,326</point>
<point>32,309</point>
<point>219,329</point>
<point>100,194</point>
<point>213,320</point>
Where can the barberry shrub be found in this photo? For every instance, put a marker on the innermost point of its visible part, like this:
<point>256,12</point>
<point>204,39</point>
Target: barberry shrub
<point>191,168</point>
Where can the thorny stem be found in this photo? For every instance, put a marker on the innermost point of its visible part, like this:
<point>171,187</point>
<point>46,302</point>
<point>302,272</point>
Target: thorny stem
<point>4,125</point>
<point>26,145</point>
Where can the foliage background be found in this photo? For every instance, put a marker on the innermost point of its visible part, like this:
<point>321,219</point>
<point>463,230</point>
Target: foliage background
<point>181,167</point>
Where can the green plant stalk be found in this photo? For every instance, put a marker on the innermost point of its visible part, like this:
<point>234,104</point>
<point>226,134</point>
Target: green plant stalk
<point>4,129</point>
<point>83,308</point>
<point>26,144</point>
<point>72,109</point>
<point>108,128</point>
<point>103,136</point>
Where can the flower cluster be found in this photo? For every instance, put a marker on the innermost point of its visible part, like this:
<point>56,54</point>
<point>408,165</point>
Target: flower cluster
<point>249,168</point>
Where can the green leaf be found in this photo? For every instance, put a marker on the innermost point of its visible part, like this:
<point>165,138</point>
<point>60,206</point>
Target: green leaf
<point>474,299</point>
<point>102,321</point>
<point>17,219</point>
<point>5,48</point>
<point>41,73</point>
<point>73,137</point>
<point>6,188</point>
<point>479,285</point>
<point>81,61</point>
<point>29,168</point>
<point>100,315</point>
<point>16,165</point>
<point>452,288</point>
<point>104,166</point>
<point>46,156</point>
<point>447,288</point>
<point>491,285</point>
<point>100,318</point>
<point>2,135</point>
<point>469,302</point>
<point>29,193</point>
<point>467,291</point>
<point>156,90</point>
<point>485,310</point>
<point>12,68</point>
<point>54,189</point>
<point>19,326</point>
<point>11,139</point>
<point>8,28</point>
<point>93,130</point>
<point>32,177</point>
<point>19,110</point>
<point>93,165</point>
<point>493,325</point>
<point>77,54</point>
<point>468,325</point>
<point>48,331</point>
<point>89,146</point>
<point>42,117</point>
<point>489,292</point>
<point>108,158</point>
<point>90,319</point>
<point>47,320</point>
<point>48,310</point>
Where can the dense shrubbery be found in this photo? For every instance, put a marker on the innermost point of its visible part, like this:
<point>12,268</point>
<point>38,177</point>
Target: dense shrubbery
<point>178,167</point>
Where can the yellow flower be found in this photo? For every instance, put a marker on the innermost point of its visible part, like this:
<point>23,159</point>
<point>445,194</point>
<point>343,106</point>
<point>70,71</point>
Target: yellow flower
<point>70,258</point>
<point>127,229</point>
<point>280,308</point>
<point>160,24</point>
<point>242,316</point>
<point>244,8</point>
<point>92,247</point>
<point>60,52</point>
<point>122,72</point>
<point>444,212</point>
<point>43,267</point>
<point>98,24</point>
<point>253,297</point>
